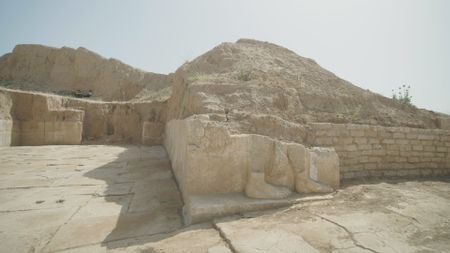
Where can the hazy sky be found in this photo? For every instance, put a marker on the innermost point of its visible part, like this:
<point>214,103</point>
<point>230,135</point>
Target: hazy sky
<point>377,45</point>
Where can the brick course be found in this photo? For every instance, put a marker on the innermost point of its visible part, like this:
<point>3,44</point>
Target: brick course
<point>366,151</point>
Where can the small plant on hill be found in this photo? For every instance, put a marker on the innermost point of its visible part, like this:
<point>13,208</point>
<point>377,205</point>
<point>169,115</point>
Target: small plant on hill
<point>402,94</point>
<point>244,74</point>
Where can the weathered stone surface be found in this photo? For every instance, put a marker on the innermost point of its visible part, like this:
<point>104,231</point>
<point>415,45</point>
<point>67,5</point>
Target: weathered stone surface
<point>257,187</point>
<point>74,196</point>
<point>219,249</point>
<point>375,217</point>
<point>207,159</point>
<point>61,120</point>
<point>71,199</point>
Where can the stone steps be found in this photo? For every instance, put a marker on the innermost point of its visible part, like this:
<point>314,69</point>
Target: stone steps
<point>199,208</point>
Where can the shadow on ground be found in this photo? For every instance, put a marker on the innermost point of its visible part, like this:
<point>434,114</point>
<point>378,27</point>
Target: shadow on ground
<point>140,183</point>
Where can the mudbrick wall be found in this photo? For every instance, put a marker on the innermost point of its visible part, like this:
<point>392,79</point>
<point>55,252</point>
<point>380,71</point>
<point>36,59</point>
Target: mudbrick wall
<point>372,151</point>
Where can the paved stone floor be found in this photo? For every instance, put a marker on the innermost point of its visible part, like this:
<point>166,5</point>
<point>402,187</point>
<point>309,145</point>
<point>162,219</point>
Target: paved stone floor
<point>57,198</point>
<point>124,199</point>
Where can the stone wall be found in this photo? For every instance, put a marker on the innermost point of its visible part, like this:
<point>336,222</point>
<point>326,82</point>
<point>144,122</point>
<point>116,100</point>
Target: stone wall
<point>207,160</point>
<point>30,119</point>
<point>385,151</point>
<point>8,131</point>
<point>39,119</point>
<point>119,122</point>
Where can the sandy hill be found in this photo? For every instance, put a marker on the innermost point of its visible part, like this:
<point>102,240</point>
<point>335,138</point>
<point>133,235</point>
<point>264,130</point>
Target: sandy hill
<point>253,81</point>
<point>59,70</point>
<point>254,86</point>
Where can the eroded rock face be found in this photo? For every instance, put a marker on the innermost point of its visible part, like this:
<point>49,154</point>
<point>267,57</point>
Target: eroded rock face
<point>47,69</point>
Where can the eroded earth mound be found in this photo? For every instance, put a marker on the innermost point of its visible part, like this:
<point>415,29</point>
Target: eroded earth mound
<point>76,71</point>
<point>259,83</point>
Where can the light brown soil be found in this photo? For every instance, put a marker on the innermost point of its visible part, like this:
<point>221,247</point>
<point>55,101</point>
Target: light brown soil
<point>65,70</point>
<point>249,80</point>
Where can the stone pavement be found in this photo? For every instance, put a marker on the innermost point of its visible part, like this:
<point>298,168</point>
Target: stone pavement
<point>124,199</point>
<point>57,198</point>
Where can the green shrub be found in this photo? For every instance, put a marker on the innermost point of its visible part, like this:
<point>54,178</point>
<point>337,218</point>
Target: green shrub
<point>402,94</point>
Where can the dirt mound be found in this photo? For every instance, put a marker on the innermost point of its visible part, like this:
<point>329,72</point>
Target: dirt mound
<point>257,87</point>
<point>68,71</point>
<point>253,81</point>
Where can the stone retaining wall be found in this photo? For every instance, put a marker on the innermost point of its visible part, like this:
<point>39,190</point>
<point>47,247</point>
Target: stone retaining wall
<point>207,159</point>
<point>40,119</point>
<point>36,120</point>
<point>385,151</point>
<point>108,122</point>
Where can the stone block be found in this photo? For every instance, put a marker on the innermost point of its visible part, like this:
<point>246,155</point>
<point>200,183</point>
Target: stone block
<point>63,133</point>
<point>152,133</point>
<point>360,140</point>
<point>379,152</point>
<point>364,147</point>
<point>426,142</point>
<point>376,173</point>
<point>370,133</point>
<point>343,140</point>
<point>323,141</point>
<point>413,159</point>
<point>370,166</point>
<point>6,132</point>
<point>415,142</point>
<point>351,147</point>
<point>392,147</point>
<point>399,136</point>
<point>361,174</point>
<point>357,133</point>
<point>402,141</point>
<point>429,148</point>
<point>417,147</point>
<point>32,133</point>
<point>258,188</point>
<point>325,166</point>
<point>390,173</point>
<point>411,136</point>
<point>385,135</point>
<point>392,152</point>
<point>442,149</point>
<point>425,137</point>
<point>388,141</point>
<point>374,159</point>
<point>373,141</point>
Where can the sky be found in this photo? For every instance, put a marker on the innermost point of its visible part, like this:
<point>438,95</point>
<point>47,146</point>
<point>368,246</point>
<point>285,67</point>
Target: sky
<point>378,45</point>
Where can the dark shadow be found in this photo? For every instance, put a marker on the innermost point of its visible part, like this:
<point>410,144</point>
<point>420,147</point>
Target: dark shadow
<point>141,181</point>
